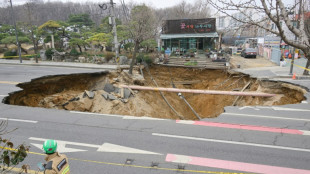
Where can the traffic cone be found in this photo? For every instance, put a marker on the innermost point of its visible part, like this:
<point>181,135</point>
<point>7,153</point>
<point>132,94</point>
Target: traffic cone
<point>294,76</point>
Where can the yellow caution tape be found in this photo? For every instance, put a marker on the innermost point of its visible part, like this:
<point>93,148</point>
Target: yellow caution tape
<point>134,166</point>
<point>298,65</point>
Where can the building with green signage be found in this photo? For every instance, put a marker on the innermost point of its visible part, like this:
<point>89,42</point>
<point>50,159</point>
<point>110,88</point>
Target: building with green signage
<point>189,34</point>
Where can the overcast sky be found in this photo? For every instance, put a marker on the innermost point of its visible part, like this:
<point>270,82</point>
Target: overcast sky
<point>155,3</point>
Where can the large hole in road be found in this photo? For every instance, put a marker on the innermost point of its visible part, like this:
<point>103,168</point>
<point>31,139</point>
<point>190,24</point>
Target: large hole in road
<point>68,92</point>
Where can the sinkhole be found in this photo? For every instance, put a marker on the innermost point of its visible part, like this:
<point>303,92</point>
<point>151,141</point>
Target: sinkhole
<point>99,92</point>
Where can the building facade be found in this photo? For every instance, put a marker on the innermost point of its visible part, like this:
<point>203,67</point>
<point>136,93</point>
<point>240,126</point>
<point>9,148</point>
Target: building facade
<point>189,34</point>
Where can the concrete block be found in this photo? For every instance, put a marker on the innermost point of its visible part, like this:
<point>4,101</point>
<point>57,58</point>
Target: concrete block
<point>90,94</point>
<point>111,97</point>
<point>109,88</point>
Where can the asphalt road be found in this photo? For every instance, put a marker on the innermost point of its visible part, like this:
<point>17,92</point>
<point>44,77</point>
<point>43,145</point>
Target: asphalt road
<point>244,140</point>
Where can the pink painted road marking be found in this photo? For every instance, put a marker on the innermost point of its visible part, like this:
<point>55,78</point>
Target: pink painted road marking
<point>232,165</point>
<point>245,127</point>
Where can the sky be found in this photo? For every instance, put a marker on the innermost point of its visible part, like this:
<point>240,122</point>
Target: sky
<point>153,3</point>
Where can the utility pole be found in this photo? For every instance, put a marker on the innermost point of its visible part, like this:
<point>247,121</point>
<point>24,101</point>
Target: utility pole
<point>17,42</point>
<point>31,30</point>
<point>114,30</point>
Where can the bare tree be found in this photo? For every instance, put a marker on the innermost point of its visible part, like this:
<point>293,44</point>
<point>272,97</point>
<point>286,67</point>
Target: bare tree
<point>141,26</point>
<point>276,12</point>
<point>200,9</point>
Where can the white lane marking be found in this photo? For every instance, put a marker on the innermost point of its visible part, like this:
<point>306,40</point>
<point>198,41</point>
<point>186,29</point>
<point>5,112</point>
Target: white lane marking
<point>274,108</point>
<point>125,117</point>
<point>286,109</point>
<point>305,132</point>
<point>304,102</point>
<point>186,121</point>
<point>265,116</point>
<point>231,142</point>
<point>90,113</point>
<point>251,107</point>
<point>106,147</point>
<point>20,120</point>
<point>140,118</point>
<point>3,95</point>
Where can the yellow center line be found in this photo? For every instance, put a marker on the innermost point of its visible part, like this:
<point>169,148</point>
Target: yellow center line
<point>134,166</point>
<point>8,82</point>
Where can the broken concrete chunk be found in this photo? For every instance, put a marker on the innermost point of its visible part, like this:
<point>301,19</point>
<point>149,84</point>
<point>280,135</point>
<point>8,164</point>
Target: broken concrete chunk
<point>111,97</point>
<point>105,95</point>
<point>127,93</point>
<point>109,88</point>
<point>90,94</point>
<point>117,90</point>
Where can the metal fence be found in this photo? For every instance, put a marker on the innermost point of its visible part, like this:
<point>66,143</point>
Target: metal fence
<point>271,53</point>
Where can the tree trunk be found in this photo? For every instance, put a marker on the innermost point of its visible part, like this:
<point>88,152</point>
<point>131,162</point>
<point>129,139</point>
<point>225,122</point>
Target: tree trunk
<point>306,72</point>
<point>23,50</point>
<point>134,57</point>
<point>80,48</point>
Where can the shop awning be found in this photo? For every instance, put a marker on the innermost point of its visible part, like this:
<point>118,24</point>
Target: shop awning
<point>188,35</point>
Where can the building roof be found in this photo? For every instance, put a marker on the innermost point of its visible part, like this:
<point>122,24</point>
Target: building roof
<point>188,35</point>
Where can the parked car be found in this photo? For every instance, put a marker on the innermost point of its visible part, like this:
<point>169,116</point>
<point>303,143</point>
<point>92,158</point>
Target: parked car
<point>249,52</point>
<point>239,50</point>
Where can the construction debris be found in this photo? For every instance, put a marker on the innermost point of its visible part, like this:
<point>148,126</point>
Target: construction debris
<point>90,94</point>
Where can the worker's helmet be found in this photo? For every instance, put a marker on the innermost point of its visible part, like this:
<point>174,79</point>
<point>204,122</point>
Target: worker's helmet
<point>50,146</point>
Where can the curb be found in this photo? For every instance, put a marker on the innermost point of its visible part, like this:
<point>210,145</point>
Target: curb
<point>69,66</point>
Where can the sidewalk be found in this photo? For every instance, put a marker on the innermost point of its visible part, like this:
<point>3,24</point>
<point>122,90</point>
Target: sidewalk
<point>61,64</point>
<point>277,71</point>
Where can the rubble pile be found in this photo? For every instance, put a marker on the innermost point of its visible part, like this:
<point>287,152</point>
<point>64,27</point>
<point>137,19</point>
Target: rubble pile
<point>85,101</point>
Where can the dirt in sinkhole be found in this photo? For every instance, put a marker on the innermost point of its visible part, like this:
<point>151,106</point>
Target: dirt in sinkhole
<point>57,92</point>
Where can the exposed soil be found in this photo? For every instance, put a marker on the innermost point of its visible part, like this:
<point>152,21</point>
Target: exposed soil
<point>67,92</point>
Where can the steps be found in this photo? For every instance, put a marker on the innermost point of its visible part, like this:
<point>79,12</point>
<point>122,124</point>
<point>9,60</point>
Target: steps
<point>205,63</point>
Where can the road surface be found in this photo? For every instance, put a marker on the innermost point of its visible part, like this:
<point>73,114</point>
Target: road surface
<point>243,139</point>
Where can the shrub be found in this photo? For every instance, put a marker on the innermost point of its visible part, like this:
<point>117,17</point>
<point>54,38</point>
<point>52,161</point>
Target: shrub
<point>49,53</point>
<point>109,56</point>
<point>2,50</point>
<point>74,52</point>
<point>128,46</point>
<point>10,53</point>
<point>145,58</point>
<point>10,154</point>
